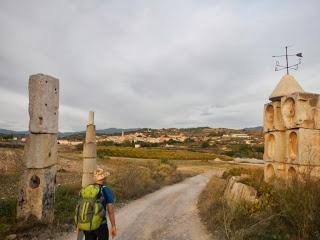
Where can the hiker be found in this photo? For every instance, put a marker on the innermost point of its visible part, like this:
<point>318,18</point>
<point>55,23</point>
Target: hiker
<point>90,217</point>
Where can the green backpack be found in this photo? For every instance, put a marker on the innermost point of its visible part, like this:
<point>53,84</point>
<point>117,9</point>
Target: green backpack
<point>89,211</point>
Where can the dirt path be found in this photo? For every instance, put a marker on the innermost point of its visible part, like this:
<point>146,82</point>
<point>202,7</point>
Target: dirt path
<point>169,213</point>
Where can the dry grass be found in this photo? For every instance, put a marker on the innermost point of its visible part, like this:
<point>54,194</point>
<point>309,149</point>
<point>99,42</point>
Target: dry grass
<point>283,212</point>
<point>210,203</point>
<point>130,179</point>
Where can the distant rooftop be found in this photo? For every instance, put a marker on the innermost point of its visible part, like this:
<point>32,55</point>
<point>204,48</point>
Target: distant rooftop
<point>287,85</point>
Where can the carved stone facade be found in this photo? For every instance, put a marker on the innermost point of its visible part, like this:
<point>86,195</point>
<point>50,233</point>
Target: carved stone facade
<point>37,182</point>
<point>291,132</point>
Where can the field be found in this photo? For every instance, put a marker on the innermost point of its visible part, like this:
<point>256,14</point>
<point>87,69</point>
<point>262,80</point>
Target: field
<point>153,153</point>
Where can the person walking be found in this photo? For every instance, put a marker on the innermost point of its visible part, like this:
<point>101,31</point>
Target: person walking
<point>106,198</point>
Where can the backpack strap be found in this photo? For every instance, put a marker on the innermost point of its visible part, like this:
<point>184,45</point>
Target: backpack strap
<point>100,191</point>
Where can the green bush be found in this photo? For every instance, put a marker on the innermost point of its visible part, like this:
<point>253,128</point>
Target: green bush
<point>245,151</point>
<point>8,210</point>
<point>7,215</point>
<point>65,203</point>
<point>205,144</point>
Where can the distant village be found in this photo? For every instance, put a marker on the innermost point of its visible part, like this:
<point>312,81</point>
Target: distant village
<point>170,137</point>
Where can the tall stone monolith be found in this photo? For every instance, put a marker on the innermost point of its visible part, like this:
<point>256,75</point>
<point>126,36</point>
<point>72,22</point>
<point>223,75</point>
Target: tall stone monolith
<point>89,152</point>
<point>37,182</point>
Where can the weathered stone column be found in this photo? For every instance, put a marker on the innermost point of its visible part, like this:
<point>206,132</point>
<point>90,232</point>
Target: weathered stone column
<point>89,152</point>
<point>37,182</point>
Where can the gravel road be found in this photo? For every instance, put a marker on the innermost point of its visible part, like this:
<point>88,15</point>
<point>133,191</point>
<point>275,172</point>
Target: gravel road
<point>167,214</point>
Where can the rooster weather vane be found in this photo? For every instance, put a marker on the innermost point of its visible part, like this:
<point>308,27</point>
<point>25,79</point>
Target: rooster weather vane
<point>279,67</point>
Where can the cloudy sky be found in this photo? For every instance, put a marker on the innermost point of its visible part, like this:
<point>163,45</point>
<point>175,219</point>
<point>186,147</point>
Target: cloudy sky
<point>154,63</point>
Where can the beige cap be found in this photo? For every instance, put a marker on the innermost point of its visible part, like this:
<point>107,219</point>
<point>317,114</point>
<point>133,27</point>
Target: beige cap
<point>99,174</point>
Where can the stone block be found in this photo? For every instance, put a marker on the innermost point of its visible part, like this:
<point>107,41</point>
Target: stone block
<point>40,150</point>
<point>301,110</point>
<point>87,178</point>
<point>91,118</point>
<point>273,117</point>
<point>43,104</point>
<point>274,146</point>
<point>89,150</point>
<point>91,134</point>
<point>236,191</point>
<point>89,165</point>
<point>269,172</point>
<point>36,194</point>
<point>303,146</point>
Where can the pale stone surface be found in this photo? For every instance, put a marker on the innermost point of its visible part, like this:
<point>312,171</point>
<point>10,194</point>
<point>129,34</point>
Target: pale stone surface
<point>280,170</point>
<point>89,165</point>
<point>43,104</point>
<point>301,110</point>
<point>236,191</point>
<point>11,237</point>
<point>273,117</point>
<point>91,134</point>
<point>89,150</point>
<point>303,146</point>
<point>287,85</point>
<point>275,146</point>
<point>87,178</point>
<point>40,150</point>
<point>91,118</point>
<point>36,194</point>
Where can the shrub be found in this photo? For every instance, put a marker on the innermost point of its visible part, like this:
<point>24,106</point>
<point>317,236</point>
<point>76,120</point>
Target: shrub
<point>66,200</point>
<point>254,173</point>
<point>7,215</point>
<point>245,151</point>
<point>205,144</point>
<point>282,212</point>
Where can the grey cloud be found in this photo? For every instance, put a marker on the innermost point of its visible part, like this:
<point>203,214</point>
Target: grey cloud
<point>153,63</point>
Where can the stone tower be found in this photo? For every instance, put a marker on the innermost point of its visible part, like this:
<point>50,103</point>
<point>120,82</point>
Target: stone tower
<point>37,182</point>
<point>291,131</point>
<point>89,152</point>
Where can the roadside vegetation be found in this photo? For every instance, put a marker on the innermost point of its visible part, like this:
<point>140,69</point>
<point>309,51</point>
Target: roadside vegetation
<point>245,151</point>
<point>283,211</point>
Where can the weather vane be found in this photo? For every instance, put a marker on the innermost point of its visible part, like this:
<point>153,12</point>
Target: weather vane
<point>279,67</point>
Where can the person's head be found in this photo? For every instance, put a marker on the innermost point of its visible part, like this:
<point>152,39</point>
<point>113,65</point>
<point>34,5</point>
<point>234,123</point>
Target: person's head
<point>100,176</point>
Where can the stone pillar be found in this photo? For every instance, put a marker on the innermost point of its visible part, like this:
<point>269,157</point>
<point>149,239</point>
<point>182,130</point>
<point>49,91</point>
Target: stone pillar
<point>89,152</point>
<point>37,182</point>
